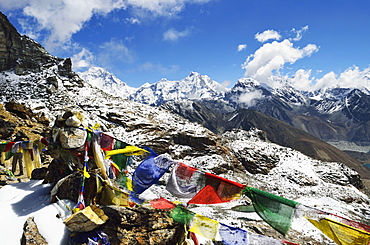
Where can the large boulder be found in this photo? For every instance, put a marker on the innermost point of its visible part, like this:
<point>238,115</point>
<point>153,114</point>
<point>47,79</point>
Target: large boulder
<point>85,220</point>
<point>141,226</point>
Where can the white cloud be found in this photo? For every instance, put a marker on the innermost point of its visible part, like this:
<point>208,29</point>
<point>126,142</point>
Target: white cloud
<point>268,35</point>
<point>329,80</point>
<point>63,18</point>
<point>272,57</point>
<point>301,80</point>
<point>114,51</point>
<point>83,59</point>
<point>167,8</point>
<point>242,47</point>
<point>250,98</point>
<point>133,20</point>
<point>173,35</point>
<point>58,20</point>
<point>13,4</point>
<point>353,77</point>
<point>298,33</point>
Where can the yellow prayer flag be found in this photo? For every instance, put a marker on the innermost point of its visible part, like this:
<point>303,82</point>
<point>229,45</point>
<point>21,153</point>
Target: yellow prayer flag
<point>341,234</point>
<point>204,227</point>
<point>129,184</point>
<point>86,174</point>
<point>128,150</point>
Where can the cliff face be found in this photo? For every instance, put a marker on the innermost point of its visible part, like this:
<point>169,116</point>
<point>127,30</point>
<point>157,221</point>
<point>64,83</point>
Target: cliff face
<point>20,52</point>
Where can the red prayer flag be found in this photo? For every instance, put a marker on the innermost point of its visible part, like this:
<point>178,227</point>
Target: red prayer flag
<point>162,203</point>
<point>207,195</point>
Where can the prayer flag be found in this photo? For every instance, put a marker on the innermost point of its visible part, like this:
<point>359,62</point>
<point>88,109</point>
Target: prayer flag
<point>150,171</point>
<point>182,215</point>
<point>275,210</point>
<point>233,235</point>
<point>204,227</point>
<point>106,142</point>
<point>184,181</point>
<point>217,190</point>
<point>162,203</point>
<point>122,152</point>
<point>340,233</point>
<point>207,195</point>
<point>128,151</point>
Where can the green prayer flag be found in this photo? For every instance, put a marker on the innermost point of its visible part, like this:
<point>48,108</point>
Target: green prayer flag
<point>181,214</point>
<point>120,159</point>
<point>275,210</point>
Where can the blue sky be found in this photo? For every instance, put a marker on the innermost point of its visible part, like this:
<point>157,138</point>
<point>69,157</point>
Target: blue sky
<point>145,40</point>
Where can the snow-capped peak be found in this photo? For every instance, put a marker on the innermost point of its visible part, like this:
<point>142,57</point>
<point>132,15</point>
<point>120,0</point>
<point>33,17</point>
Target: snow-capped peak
<point>101,78</point>
<point>195,86</point>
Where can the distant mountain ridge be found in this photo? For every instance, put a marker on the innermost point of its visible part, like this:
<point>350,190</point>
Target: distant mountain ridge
<point>333,114</point>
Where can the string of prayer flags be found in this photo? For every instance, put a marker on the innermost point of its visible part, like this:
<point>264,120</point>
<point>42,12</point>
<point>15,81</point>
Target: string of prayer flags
<point>185,181</point>
<point>233,235</point>
<point>182,215</point>
<point>81,199</point>
<point>275,210</point>
<point>340,233</point>
<point>212,229</point>
<point>217,190</point>
<point>204,227</point>
<point>150,171</point>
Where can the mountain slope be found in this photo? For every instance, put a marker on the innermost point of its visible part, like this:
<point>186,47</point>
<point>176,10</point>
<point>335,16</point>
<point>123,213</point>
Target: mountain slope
<point>276,131</point>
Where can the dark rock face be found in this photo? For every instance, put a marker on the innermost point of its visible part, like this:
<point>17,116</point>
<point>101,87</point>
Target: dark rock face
<point>39,173</point>
<point>31,235</point>
<point>139,226</point>
<point>7,128</point>
<point>20,52</point>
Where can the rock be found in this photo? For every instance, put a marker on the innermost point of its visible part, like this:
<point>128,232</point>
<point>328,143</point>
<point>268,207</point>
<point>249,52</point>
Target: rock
<point>39,173</point>
<point>72,138</point>
<point>256,162</point>
<point>20,52</point>
<point>7,129</point>
<point>70,188</point>
<point>73,121</point>
<point>31,235</point>
<point>141,225</point>
<point>86,220</point>
<point>20,110</point>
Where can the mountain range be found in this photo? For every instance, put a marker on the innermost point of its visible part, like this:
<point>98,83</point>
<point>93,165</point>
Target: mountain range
<point>332,114</point>
<point>203,124</point>
<point>338,116</point>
